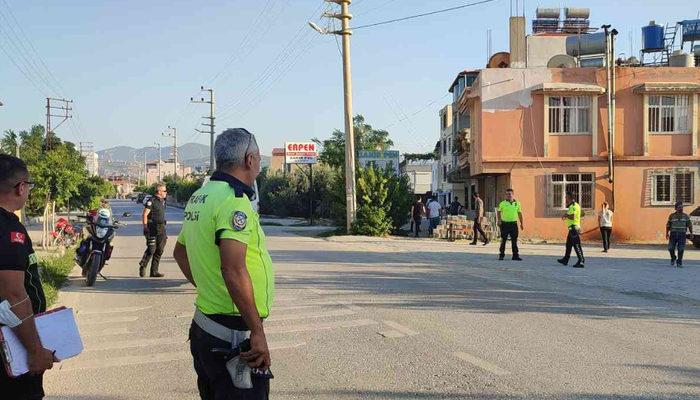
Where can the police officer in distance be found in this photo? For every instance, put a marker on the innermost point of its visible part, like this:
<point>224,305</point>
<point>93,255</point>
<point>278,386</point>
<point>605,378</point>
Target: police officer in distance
<point>21,294</point>
<point>153,219</point>
<point>509,212</point>
<point>573,238</point>
<point>221,250</point>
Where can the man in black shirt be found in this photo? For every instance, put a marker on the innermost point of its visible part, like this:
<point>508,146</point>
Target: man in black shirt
<point>20,286</point>
<point>417,211</point>
<point>455,206</point>
<point>153,219</point>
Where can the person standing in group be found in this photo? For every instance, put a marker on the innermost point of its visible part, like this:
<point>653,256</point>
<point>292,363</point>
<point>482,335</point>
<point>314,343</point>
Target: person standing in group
<point>433,211</point>
<point>153,219</point>
<point>221,250</point>
<point>676,228</point>
<point>573,238</point>
<point>21,293</point>
<point>478,218</point>
<point>605,223</point>
<point>417,212</point>
<point>455,206</point>
<point>508,214</point>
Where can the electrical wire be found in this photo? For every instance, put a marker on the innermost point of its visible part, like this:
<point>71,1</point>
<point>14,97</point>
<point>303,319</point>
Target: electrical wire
<point>423,14</point>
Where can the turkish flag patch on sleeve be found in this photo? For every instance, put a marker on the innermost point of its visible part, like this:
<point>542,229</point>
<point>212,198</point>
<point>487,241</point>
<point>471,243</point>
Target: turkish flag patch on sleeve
<point>17,237</point>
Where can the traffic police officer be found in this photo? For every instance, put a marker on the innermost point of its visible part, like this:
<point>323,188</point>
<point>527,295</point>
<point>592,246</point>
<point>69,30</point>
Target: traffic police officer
<point>509,212</point>
<point>677,226</point>
<point>573,238</point>
<point>221,250</point>
<point>153,219</point>
<point>21,294</point>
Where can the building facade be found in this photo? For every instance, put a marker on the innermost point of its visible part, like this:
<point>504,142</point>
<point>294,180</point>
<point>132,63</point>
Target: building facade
<point>167,168</point>
<point>544,131</point>
<point>420,175</point>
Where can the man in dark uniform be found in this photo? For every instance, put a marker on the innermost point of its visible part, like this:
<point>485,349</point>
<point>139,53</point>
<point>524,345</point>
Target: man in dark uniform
<point>153,219</point>
<point>417,211</point>
<point>21,294</point>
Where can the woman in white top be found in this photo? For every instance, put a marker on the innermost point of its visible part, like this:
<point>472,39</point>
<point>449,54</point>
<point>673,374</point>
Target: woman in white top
<point>605,224</point>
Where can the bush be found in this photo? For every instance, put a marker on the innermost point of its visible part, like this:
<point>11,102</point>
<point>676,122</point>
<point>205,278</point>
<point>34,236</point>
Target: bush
<point>287,195</point>
<point>371,220</point>
<point>54,274</point>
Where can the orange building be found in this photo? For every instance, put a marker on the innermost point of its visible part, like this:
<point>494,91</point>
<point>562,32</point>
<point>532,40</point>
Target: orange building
<point>544,131</point>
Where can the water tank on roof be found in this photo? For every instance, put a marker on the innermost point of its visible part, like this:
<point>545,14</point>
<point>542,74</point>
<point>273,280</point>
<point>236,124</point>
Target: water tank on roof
<point>547,13</point>
<point>592,62</point>
<point>577,12</point>
<point>652,38</point>
<point>691,30</point>
<point>561,61</point>
<point>587,44</point>
<point>499,60</point>
<point>681,59</point>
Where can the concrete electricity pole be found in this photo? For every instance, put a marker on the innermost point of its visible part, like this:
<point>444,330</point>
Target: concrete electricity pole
<point>145,168</point>
<point>210,124</point>
<point>160,177</point>
<point>345,32</point>
<point>174,136</point>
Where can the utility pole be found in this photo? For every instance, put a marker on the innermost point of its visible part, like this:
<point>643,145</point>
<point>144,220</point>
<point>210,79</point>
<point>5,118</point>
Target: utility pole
<point>211,103</point>
<point>174,136</point>
<point>160,177</point>
<point>345,32</point>
<point>63,106</point>
<point>145,168</point>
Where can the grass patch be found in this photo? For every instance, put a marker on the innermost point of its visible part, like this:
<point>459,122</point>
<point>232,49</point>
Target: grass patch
<point>54,274</point>
<point>270,223</point>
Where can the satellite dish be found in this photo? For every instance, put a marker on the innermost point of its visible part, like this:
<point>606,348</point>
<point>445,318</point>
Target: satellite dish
<point>561,61</point>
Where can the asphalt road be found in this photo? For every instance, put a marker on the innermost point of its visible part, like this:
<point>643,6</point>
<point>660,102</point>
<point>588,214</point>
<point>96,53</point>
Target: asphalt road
<point>361,318</point>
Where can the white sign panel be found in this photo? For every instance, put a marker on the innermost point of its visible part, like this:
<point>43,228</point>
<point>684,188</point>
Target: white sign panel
<point>300,153</point>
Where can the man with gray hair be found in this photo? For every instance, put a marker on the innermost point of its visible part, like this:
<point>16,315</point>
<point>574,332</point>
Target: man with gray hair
<point>221,250</point>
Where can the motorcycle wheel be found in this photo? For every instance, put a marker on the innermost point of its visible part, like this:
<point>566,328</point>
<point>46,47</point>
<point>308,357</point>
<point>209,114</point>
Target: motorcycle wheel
<point>94,268</point>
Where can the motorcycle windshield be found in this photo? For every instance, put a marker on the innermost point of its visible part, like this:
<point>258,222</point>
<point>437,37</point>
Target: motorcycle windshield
<point>103,222</point>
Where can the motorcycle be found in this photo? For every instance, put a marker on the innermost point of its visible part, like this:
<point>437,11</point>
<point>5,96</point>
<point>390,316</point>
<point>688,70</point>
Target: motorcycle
<point>96,249</point>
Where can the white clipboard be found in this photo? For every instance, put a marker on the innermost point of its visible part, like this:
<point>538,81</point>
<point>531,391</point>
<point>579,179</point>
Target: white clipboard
<point>58,332</point>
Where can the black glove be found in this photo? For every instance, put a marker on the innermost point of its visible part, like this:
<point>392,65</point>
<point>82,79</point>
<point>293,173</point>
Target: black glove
<point>146,231</point>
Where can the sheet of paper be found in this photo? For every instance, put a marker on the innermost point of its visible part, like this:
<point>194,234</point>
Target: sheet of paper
<point>58,331</point>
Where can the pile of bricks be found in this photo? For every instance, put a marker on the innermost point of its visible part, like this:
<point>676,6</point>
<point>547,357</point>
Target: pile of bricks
<point>459,224</point>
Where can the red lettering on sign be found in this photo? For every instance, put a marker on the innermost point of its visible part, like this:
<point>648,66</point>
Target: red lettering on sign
<point>17,237</point>
<point>293,147</point>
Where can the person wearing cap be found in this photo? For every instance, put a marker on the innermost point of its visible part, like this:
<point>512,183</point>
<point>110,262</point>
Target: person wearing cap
<point>509,212</point>
<point>222,251</point>
<point>676,227</point>
<point>153,219</point>
<point>573,237</point>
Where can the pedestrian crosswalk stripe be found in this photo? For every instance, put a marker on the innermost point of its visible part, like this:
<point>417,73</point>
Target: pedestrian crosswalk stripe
<point>331,313</point>
<point>405,330</point>
<point>482,364</point>
<point>320,326</point>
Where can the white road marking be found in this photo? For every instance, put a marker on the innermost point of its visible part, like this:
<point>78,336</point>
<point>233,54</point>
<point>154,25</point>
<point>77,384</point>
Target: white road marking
<point>104,332</point>
<point>77,364</point>
<point>405,330</point>
<point>126,344</point>
<point>482,364</point>
<point>117,320</point>
<point>112,310</point>
<point>331,313</point>
<point>320,326</point>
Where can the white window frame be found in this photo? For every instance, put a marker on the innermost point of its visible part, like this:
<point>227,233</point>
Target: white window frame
<point>680,110</point>
<point>672,188</point>
<point>563,182</point>
<point>576,105</point>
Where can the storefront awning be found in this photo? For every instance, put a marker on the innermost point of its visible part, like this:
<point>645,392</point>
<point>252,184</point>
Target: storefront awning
<point>558,87</point>
<point>667,87</point>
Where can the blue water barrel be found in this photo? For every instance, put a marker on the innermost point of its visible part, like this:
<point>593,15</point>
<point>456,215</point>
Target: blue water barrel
<point>652,37</point>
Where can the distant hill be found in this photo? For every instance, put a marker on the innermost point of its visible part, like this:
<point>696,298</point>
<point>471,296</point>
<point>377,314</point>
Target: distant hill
<point>190,154</point>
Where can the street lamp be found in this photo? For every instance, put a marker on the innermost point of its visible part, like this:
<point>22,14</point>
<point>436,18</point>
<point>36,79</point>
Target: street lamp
<point>345,32</point>
<point>160,177</point>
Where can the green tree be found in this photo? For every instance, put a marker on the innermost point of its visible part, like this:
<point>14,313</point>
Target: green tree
<point>366,138</point>
<point>373,208</point>
<point>401,195</point>
<point>8,143</point>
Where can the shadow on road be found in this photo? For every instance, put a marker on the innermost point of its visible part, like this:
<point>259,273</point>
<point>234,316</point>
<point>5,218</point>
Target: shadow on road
<point>439,281</point>
<point>391,394</point>
<point>123,284</point>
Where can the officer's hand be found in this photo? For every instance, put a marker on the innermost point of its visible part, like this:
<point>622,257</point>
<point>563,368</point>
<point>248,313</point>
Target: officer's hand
<point>145,231</point>
<point>40,361</point>
<point>259,354</point>
<point>667,236</point>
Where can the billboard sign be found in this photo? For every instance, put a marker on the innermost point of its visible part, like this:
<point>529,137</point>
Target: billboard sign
<point>300,153</point>
<point>388,159</point>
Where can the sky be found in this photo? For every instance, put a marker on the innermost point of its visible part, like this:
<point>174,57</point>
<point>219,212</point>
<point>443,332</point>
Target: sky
<point>131,66</point>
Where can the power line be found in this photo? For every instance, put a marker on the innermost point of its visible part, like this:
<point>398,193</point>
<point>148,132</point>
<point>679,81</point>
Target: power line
<point>423,15</point>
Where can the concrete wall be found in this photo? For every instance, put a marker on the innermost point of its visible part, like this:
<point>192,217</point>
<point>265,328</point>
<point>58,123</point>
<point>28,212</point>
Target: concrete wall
<point>540,49</point>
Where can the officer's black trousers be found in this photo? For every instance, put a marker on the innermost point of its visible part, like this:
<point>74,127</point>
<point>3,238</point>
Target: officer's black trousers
<point>155,244</point>
<point>573,240</point>
<point>24,387</point>
<point>213,379</point>
<point>509,229</point>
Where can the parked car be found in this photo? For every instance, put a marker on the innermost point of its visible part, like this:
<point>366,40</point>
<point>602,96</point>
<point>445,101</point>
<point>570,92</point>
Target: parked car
<point>141,197</point>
